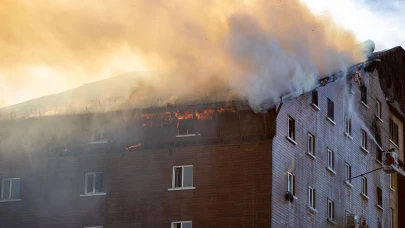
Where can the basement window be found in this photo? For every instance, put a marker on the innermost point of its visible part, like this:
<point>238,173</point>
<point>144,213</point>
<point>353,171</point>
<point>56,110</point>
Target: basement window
<point>363,90</point>
<point>10,189</point>
<point>182,177</point>
<point>183,224</point>
<point>94,183</point>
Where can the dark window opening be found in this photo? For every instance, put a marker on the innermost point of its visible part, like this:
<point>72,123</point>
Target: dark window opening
<point>394,132</point>
<point>331,111</point>
<point>315,97</point>
<point>94,183</point>
<point>186,127</point>
<point>291,128</point>
<point>363,94</point>
<point>379,197</point>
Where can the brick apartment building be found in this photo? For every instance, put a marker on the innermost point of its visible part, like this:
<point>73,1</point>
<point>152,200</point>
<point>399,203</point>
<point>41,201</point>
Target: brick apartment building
<point>215,164</point>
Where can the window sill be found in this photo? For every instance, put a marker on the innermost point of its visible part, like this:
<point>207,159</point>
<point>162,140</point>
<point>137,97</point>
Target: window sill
<point>331,121</point>
<point>185,188</point>
<point>9,200</point>
<point>393,143</point>
<point>379,118</point>
<point>364,196</point>
<point>364,104</point>
<point>378,206</point>
<point>379,162</point>
<point>187,135</point>
<point>312,210</point>
<point>315,107</point>
<point>348,184</point>
<point>364,149</point>
<point>95,194</point>
<point>349,136</point>
<point>98,142</point>
<point>331,170</point>
<point>392,189</point>
<point>311,155</point>
<point>331,221</point>
<point>291,140</point>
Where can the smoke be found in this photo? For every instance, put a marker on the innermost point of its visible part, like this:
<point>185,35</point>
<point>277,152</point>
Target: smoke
<point>258,50</point>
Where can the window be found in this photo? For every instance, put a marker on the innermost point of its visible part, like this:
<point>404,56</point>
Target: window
<point>94,183</point>
<point>347,214</point>
<point>99,135</point>
<point>348,125</point>
<point>364,94</point>
<point>364,139</point>
<point>331,159</point>
<point>311,144</point>
<point>331,111</point>
<point>379,197</point>
<point>311,197</point>
<point>187,224</point>
<point>348,173</point>
<point>392,218</point>
<point>291,128</point>
<point>10,189</point>
<point>186,127</point>
<point>182,176</point>
<point>364,185</point>
<point>331,210</point>
<point>291,183</point>
<point>315,98</point>
<point>394,132</point>
<point>378,109</point>
<point>391,182</point>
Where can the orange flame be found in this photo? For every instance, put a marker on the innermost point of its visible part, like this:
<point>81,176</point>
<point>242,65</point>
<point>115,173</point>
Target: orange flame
<point>226,109</point>
<point>133,146</point>
<point>184,115</point>
<point>206,114</point>
<point>156,119</point>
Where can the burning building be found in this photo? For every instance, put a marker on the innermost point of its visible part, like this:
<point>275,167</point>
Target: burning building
<point>305,161</point>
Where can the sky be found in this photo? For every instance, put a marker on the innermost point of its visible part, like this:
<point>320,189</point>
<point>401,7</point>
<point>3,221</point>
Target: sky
<point>379,20</point>
<point>23,77</point>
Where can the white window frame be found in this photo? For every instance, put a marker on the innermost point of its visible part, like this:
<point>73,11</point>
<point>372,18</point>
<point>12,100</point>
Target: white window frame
<point>331,160</point>
<point>364,186</point>
<point>311,197</point>
<point>291,183</point>
<point>348,126</point>
<point>182,178</point>
<point>311,144</point>
<point>94,184</point>
<point>181,222</point>
<point>394,132</point>
<point>364,140</point>
<point>378,109</point>
<point>331,210</point>
<point>288,129</point>
<point>10,190</point>
<point>348,173</point>
<point>391,183</point>
<point>102,136</point>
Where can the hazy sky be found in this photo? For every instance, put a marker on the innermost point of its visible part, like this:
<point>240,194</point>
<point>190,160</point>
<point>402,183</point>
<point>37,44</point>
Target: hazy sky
<point>379,20</point>
<point>32,32</point>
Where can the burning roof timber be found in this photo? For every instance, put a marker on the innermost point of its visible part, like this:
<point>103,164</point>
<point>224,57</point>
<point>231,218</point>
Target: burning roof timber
<point>113,94</point>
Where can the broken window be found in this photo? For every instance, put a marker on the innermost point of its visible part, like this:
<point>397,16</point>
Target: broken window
<point>183,176</point>
<point>10,189</point>
<point>363,90</point>
<point>315,98</point>
<point>331,110</point>
<point>394,132</point>
<point>291,128</point>
<point>94,183</point>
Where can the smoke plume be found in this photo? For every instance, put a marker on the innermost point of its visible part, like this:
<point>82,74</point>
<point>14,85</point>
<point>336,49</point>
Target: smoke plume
<point>257,50</point>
